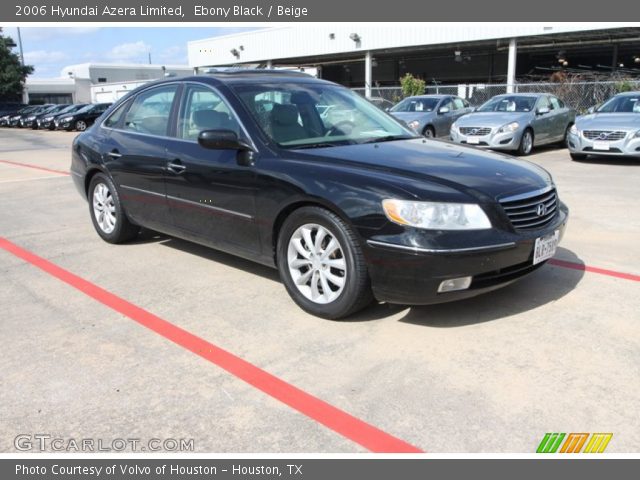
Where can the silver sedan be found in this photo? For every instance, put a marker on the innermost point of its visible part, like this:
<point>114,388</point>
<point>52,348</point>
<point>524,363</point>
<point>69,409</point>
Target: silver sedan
<point>516,122</point>
<point>431,115</point>
<point>611,129</point>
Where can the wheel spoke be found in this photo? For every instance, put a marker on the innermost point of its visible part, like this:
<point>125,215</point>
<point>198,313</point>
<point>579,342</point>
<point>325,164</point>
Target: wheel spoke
<point>304,278</point>
<point>297,244</point>
<point>306,235</point>
<point>337,263</point>
<point>320,235</point>
<point>336,280</point>
<point>331,247</point>
<point>326,290</point>
<point>315,291</point>
<point>299,262</point>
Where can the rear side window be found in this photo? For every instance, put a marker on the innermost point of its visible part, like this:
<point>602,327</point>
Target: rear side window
<point>150,111</point>
<point>555,104</point>
<point>459,103</point>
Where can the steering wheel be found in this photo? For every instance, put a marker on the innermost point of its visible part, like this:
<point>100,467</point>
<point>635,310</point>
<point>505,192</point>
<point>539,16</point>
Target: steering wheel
<point>338,128</point>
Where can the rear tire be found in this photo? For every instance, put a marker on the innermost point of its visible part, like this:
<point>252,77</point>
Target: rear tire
<point>578,156</point>
<point>526,143</point>
<point>106,211</point>
<point>322,265</point>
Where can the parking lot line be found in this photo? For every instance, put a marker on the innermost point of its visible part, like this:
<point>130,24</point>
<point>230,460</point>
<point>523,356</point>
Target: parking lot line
<point>339,421</point>
<point>36,167</point>
<point>601,271</point>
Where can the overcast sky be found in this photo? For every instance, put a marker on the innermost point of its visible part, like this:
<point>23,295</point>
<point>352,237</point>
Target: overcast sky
<point>50,49</point>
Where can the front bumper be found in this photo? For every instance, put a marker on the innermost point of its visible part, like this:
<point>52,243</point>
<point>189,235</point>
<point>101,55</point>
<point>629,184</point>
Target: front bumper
<point>410,275</point>
<point>492,140</point>
<point>628,146</point>
<point>63,125</point>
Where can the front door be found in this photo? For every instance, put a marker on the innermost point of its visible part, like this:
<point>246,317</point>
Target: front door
<point>210,195</point>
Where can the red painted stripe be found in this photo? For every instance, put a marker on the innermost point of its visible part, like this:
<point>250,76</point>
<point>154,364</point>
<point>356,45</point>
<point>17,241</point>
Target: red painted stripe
<point>331,417</point>
<point>36,167</point>
<point>601,271</point>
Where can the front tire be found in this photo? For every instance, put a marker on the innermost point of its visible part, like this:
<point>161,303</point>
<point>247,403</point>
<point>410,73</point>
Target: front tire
<point>428,132</point>
<point>322,265</point>
<point>578,156</point>
<point>81,125</point>
<point>526,143</point>
<point>106,211</point>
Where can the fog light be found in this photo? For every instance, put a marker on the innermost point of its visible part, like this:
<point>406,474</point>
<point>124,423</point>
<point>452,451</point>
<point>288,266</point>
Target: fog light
<point>453,284</point>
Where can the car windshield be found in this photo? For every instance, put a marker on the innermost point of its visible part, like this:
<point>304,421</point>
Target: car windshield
<point>413,104</point>
<point>509,103</point>
<point>621,104</point>
<point>86,108</point>
<point>70,108</point>
<point>309,115</point>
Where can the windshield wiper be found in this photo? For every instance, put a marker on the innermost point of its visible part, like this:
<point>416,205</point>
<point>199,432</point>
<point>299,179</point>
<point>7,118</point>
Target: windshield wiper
<point>312,145</point>
<point>388,138</point>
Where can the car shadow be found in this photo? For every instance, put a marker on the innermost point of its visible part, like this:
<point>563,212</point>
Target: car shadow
<point>207,253</point>
<point>546,285</point>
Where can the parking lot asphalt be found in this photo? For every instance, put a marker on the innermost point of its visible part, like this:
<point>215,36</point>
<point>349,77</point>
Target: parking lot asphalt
<point>558,351</point>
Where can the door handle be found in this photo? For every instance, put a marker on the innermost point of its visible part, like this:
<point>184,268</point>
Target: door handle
<point>176,166</point>
<point>114,153</point>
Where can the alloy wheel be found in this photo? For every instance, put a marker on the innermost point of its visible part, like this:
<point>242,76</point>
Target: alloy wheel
<point>104,208</point>
<point>317,263</point>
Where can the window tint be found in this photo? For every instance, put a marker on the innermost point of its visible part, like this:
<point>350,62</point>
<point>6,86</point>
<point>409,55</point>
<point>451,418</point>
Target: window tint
<point>150,111</point>
<point>114,119</point>
<point>544,102</point>
<point>555,104</point>
<point>204,109</point>
<point>458,103</point>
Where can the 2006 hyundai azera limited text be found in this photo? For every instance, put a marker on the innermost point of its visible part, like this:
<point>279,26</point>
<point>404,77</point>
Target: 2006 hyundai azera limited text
<point>364,208</point>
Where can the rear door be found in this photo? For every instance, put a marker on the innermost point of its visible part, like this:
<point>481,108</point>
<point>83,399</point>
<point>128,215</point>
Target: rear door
<point>560,118</point>
<point>542,122</point>
<point>443,121</point>
<point>135,154</point>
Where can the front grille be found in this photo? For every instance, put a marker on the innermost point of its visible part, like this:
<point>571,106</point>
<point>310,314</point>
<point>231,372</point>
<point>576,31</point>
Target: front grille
<point>604,135</point>
<point>475,131</point>
<point>527,213</point>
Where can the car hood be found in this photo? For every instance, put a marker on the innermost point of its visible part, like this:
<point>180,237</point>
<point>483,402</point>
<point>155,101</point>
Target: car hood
<point>492,119</point>
<point>479,173</point>
<point>609,121</point>
<point>411,116</point>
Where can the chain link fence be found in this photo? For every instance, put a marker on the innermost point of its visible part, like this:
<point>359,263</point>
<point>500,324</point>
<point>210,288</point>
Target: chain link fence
<point>578,95</point>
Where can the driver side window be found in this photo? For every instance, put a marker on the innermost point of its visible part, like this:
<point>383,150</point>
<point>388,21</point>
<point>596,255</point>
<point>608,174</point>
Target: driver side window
<point>150,111</point>
<point>204,109</point>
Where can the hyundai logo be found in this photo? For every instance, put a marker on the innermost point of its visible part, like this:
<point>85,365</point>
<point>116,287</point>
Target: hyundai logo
<point>541,209</point>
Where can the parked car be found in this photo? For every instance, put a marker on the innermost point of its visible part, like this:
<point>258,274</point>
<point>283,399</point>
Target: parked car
<point>53,110</point>
<point>431,115</point>
<point>47,120</point>
<point>82,119</point>
<point>611,129</point>
<point>6,117</point>
<point>346,212</point>
<point>516,122</point>
<point>20,119</point>
<point>7,108</point>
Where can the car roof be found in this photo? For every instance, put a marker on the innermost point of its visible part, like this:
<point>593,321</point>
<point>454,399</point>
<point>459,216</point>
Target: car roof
<point>523,94</point>
<point>630,94</point>
<point>431,95</point>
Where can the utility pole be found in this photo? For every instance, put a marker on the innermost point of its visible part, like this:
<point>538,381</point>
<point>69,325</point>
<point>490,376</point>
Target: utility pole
<point>25,93</point>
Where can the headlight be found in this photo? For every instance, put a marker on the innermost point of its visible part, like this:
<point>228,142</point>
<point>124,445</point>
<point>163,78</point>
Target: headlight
<point>415,124</point>
<point>66,119</point>
<point>574,130</point>
<point>31,119</point>
<point>436,216</point>
<point>511,127</point>
<point>454,127</point>
<point>637,134</point>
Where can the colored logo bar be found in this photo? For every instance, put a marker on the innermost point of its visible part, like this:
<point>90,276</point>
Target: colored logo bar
<point>574,442</point>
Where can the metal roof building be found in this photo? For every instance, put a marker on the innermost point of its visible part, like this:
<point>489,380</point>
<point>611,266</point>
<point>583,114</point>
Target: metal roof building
<point>366,55</point>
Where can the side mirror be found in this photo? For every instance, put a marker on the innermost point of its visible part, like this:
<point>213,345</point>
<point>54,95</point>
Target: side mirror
<point>543,110</point>
<point>591,109</point>
<point>387,109</point>
<point>222,140</point>
<point>443,110</point>
<point>228,140</point>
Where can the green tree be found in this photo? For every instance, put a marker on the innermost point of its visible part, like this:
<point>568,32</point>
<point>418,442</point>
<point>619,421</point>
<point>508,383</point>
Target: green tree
<point>12,72</point>
<point>412,85</point>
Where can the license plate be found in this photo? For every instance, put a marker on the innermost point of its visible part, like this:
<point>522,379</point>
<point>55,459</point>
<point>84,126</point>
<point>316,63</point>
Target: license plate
<point>473,140</point>
<point>546,247</point>
<point>601,146</point>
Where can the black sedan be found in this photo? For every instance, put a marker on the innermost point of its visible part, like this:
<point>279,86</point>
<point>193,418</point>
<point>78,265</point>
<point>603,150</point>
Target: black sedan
<point>20,119</point>
<point>241,161</point>
<point>35,120</point>
<point>81,119</point>
<point>48,120</point>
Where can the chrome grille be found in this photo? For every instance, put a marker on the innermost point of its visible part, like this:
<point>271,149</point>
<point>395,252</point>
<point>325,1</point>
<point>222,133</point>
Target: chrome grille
<point>525,211</point>
<point>604,135</point>
<point>475,131</point>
